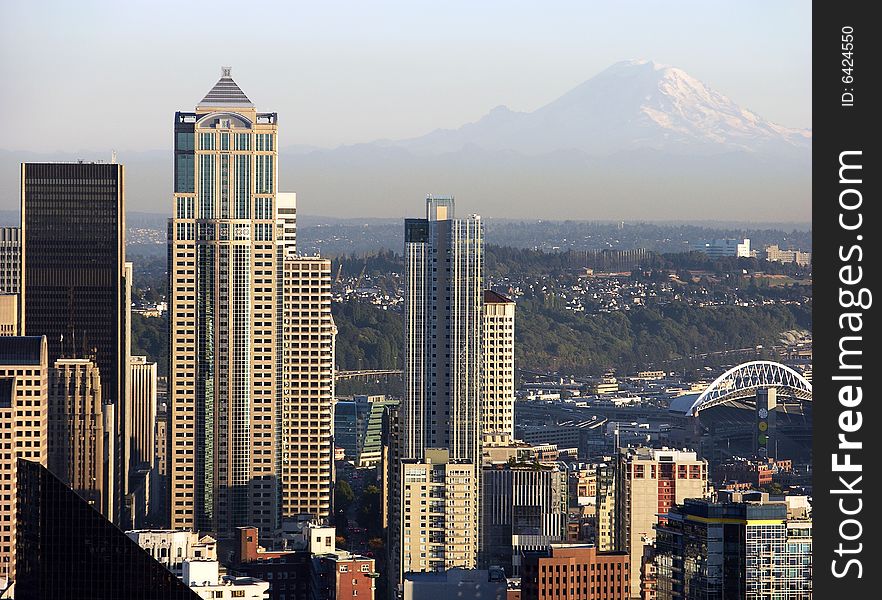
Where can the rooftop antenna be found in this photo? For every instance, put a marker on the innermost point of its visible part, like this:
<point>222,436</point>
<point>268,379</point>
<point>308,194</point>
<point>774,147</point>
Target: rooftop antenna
<point>113,157</point>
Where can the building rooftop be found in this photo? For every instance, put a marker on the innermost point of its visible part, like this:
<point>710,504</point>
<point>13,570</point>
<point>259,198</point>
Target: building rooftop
<point>491,297</point>
<point>21,350</point>
<point>226,93</point>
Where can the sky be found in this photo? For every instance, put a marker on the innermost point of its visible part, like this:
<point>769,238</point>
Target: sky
<point>96,76</point>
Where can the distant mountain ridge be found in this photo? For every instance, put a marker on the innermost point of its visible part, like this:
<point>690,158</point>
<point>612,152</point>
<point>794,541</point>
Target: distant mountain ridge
<point>634,104</point>
<point>639,140</point>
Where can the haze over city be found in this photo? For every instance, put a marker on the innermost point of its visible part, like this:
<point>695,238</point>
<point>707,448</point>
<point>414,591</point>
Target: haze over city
<point>348,81</point>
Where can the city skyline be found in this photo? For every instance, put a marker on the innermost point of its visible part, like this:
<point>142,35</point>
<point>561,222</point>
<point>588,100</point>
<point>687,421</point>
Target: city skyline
<point>588,406</point>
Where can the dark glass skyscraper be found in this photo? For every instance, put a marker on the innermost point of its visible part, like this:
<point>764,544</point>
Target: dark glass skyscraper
<point>65,549</point>
<point>73,281</point>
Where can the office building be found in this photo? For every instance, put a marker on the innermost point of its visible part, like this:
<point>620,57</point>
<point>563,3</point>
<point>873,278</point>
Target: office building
<point>10,260</point>
<point>143,382</point>
<point>740,546</point>
<point>499,376</point>
<point>308,336</point>
<point>371,451</point>
<point>224,432</point>
<point>349,420</point>
<point>358,428</point>
<point>74,284</point>
<point>575,571</point>
<point>776,254</point>
<point>725,247</point>
<point>79,445</point>
<point>649,482</point>
<point>24,425</point>
<point>66,549</point>
<point>438,512</point>
<point>524,508</point>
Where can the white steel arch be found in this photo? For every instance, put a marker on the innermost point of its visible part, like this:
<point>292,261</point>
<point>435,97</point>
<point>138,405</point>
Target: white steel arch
<point>744,380</point>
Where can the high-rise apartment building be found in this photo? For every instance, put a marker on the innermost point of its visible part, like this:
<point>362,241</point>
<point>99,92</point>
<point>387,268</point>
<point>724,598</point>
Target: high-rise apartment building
<point>524,508</point>
<point>650,482</point>
<point>443,362</point>
<point>734,548</point>
<point>143,382</point>
<point>497,411</point>
<point>79,448</point>
<point>307,410</point>
<point>224,432</point>
<point>24,424</point>
<point>10,260</point>
<point>444,325</point>
<point>438,513</point>
<point>74,284</point>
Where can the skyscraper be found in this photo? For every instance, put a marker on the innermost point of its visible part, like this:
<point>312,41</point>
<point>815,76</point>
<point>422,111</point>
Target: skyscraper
<point>73,281</point>
<point>497,411</point>
<point>443,361</point>
<point>444,323</point>
<point>223,431</point>
<point>78,444</point>
<point>307,412</point>
<point>24,379</point>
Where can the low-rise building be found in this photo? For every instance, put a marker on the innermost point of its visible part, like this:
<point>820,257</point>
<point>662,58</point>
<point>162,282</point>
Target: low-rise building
<point>575,571</point>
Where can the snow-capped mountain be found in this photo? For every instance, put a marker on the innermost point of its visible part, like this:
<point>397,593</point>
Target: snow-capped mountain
<point>632,105</point>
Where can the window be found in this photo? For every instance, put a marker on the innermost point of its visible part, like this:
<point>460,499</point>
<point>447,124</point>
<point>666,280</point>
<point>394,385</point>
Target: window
<point>344,568</point>
<point>238,594</point>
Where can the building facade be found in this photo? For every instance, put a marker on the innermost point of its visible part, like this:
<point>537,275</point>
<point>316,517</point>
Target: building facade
<point>171,547</point>
<point>24,425</point>
<point>497,411</point>
<point>224,433</point>
<point>143,382</point>
<point>9,314</point>
<point>438,513</point>
<point>743,549</point>
<point>443,362</point>
<point>10,260</point>
<point>74,280</point>
<point>66,549</point>
<point>524,508</point>
<point>307,403</point>
<point>575,571</point>
<point>79,445</point>
<point>650,482</point>
<point>725,247</point>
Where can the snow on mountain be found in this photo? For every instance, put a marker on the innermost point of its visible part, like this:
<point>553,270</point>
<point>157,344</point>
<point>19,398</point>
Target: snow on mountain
<point>632,105</point>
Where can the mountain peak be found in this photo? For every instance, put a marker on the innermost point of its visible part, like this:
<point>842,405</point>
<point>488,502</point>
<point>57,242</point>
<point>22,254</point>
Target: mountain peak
<point>634,104</point>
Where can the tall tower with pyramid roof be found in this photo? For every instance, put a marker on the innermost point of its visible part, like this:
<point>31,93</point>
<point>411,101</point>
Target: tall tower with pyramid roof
<point>224,431</point>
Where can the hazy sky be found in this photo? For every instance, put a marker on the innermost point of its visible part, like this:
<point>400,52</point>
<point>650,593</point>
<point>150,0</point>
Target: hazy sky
<point>86,75</point>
